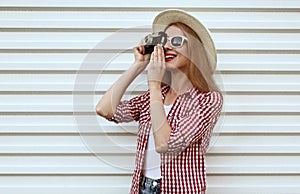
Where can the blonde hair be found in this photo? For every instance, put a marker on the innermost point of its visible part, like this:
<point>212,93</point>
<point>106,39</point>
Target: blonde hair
<point>200,72</point>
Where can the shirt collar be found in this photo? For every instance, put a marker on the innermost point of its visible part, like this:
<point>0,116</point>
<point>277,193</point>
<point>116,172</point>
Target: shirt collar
<point>192,92</point>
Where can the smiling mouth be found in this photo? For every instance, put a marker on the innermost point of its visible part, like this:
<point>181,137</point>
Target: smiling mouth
<point>169,57</point>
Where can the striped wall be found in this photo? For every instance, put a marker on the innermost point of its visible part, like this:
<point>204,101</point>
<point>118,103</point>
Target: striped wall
<point>46,126</point>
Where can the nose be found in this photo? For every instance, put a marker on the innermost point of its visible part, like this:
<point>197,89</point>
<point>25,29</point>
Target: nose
<point>168,45</point>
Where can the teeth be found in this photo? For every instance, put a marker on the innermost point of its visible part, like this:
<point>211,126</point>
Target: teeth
<point>169,56</point>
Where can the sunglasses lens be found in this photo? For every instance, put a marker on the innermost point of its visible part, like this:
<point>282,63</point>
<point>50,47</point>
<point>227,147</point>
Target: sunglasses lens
<point>177,41</point>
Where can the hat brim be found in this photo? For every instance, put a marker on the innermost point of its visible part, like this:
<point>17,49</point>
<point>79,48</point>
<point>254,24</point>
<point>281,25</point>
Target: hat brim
<point>167,17</point>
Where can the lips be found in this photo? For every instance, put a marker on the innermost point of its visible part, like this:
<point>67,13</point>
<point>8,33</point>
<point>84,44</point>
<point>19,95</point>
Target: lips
<point>169,57</point>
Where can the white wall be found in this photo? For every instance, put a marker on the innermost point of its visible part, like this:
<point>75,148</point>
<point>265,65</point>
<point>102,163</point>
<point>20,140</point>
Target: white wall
<point>44,43</point>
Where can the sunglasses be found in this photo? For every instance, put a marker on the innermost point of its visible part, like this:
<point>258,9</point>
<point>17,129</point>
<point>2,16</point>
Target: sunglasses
<point>177,41</point>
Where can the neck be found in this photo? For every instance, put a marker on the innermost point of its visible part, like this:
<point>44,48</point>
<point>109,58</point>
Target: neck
<point>180,82</point>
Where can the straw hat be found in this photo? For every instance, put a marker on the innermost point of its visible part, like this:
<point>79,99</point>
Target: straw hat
<point>163,19</point>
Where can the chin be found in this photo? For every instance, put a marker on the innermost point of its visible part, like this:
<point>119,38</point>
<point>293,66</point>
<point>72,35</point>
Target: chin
<point>175,66</point>
<point>170,66</point>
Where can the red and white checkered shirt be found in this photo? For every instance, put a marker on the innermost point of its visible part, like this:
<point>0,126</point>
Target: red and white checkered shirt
<point>192,119</point>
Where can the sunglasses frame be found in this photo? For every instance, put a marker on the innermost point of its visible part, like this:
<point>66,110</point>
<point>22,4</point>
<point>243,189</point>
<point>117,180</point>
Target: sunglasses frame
<point>169,38</point>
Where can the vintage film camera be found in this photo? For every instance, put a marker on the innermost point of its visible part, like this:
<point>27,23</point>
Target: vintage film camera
<point>153,39</point>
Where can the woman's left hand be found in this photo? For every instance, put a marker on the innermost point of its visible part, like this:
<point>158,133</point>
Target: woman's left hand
<point>157,67</point>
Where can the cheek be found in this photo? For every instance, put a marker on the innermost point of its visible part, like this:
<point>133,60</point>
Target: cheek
<point>182,61</point>
<point>184,57</point>
<point>184,53</point>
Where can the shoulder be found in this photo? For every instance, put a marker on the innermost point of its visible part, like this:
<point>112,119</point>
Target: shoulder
<point>214,99</point>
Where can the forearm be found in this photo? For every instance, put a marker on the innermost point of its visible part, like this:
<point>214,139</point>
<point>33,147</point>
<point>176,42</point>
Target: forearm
<point>106,106</point>
<point>160,126</point>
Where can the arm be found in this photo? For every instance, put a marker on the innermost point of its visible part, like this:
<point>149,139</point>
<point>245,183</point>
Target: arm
<point>107,105</point>
<point>188,129</point>
<point>160,125</point>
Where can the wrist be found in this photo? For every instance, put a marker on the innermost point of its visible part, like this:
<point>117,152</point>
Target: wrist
<point>135,69</point>
<point>154,85</point>
<point>139,66</point>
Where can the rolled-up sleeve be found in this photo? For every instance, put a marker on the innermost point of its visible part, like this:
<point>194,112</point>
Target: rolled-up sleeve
<point>192,127</point>
<point>129,110</point>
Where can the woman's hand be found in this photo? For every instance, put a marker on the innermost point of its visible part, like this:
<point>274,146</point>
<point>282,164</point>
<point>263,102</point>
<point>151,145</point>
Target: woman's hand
<point>157,67</point>
<point>141,59</point>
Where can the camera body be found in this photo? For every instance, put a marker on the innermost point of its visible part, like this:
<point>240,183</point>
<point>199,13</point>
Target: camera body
<point>153,39</point>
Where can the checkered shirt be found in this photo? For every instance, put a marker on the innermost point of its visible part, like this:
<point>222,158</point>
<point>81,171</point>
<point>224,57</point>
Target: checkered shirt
<point>192,119</point>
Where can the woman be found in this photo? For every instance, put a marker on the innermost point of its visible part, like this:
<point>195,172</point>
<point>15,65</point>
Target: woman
<point>177,114</point>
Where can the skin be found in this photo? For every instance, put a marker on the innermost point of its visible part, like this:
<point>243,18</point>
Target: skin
<point>106,107</point>
<point>180,83</point>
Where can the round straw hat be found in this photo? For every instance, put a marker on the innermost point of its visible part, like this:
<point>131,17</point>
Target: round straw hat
<point>163,19</point>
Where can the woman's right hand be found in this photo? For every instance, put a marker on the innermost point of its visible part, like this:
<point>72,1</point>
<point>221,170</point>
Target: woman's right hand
<point>141,59</point>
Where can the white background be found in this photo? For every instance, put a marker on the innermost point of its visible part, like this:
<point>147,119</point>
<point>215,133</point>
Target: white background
<point>44,43</point>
